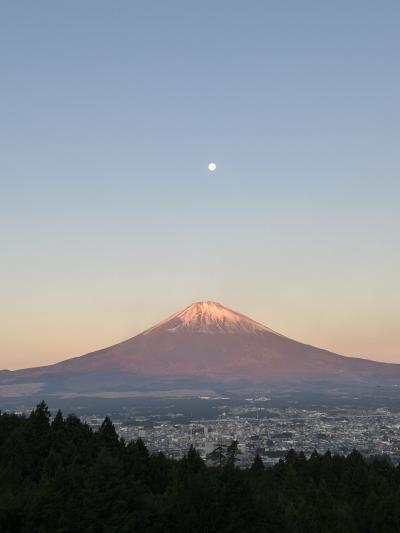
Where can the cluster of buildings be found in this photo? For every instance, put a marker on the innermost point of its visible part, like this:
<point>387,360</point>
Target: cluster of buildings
<point>271,432</point>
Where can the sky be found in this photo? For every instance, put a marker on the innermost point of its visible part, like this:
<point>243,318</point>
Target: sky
<point>109,218</point>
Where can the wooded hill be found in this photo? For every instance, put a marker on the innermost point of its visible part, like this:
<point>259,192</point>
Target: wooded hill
<point>59,476</point>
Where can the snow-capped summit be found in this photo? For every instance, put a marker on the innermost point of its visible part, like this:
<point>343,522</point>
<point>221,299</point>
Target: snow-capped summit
<point>208,317</point>
<point>204,345</point>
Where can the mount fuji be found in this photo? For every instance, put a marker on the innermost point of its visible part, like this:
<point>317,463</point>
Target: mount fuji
<point>206,346</point>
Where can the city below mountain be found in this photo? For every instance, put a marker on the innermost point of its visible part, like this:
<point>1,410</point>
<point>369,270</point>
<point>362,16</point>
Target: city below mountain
<point>206,348</point>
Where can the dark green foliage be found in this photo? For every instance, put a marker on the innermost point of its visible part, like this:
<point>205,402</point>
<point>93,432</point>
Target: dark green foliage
<point>218,455</point>
<point>232,455</point>
<point>61,477</point>
<point>258,466</point>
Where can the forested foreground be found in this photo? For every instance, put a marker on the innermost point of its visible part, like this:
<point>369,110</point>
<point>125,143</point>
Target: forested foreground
<point>57,475</point>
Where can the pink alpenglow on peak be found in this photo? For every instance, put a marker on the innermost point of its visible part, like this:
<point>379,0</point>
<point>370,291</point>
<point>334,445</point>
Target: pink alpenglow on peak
<point>204,345</point>
<point>208,317</point>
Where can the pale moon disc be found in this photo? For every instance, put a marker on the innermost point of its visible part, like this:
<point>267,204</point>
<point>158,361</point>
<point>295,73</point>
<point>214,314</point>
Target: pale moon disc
<point>212,167</point>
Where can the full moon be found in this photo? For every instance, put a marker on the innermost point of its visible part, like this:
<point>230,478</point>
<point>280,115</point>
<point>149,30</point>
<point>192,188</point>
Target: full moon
<point>212,167</point>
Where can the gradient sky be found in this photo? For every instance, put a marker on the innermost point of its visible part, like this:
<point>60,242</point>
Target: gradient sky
<point>109,218</point>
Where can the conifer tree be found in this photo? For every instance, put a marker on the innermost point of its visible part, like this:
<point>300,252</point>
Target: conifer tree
<point>257,466</point>
<point>218,455</point>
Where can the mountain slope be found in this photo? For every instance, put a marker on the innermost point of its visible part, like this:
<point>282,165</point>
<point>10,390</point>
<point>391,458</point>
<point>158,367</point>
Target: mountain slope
<point>206,341</point>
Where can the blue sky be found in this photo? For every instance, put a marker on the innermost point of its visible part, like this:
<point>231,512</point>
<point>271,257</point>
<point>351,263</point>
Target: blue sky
<point>109,218</point>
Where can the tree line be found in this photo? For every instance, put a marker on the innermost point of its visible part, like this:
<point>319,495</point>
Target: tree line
<point>57,475</point>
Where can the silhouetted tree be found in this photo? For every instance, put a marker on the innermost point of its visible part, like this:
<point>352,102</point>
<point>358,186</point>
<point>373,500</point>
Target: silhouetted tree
<point>218,455</point>
<point>257,466</point>
<point>62,477</point>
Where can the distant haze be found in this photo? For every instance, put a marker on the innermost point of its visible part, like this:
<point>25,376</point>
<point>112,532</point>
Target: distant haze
<point>109,217</point>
